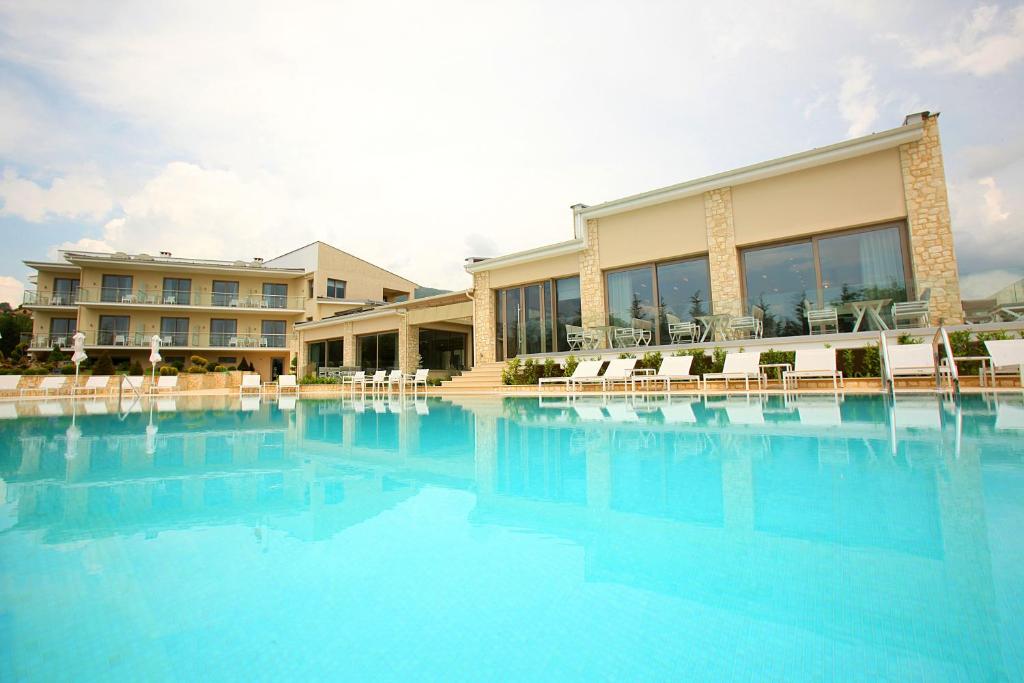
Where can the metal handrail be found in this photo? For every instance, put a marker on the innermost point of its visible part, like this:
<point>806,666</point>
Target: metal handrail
<point>940,343</point>
<point>883,353</point>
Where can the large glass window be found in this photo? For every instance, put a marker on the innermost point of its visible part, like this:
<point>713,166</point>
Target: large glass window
<point>630,295</point>
<point>335,352</point>
<point>442,350</point>
<point>826,270</point>
<point>335,289</point>
<point>62,330</point>
<point>177,291</point>
<point>174,331</point>
<point>225,293</point>
<point>378,351</point>
<point>116,288</point>
<point>275,295</point>
<point>65,291</point>
<point>661,294</point>
<point>273,333</point>
<point>568,308</point>
<point>113,330</point>
<point>222,332</point>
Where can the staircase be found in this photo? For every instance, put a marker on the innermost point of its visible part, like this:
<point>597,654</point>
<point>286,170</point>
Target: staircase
<point>483,377</point>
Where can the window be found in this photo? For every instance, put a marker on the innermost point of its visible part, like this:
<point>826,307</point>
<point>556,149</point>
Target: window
<point>272,333</point>
<point>113,330</point>
<point>62,330</point>
<point>225,293</point>
<point>177,291</point>
<point>378,351</point>
<point>275,295</point>
<point>442,350</point>
<point>335,352</point>
<point>65,291</point>
<point>315,352</point>
<point>335,289</point>
<point>116,288</point>
<point>631,296</point>
<point>174,331</point>
<point>826,270</point>
<point>528,316</point>
<point>223,332</point>
<point>309,289</point>
<point>567,306</point>
<point>659,293</point>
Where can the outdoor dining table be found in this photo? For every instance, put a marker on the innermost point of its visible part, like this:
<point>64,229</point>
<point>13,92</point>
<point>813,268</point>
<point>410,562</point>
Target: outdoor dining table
<point>608,331</point>
<point>714,325</point>
<point>872,310</point>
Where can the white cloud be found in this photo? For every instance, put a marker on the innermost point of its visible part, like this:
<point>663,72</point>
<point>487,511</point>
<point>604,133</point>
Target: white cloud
<point>984,284</point>
<point>68,197</point>
<point>986,42</point>
<point>11,290</point>
<point>858,97</point>
<point>993,201</point>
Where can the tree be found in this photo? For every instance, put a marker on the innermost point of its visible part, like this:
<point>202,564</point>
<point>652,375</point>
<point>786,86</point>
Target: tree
<point>103,365</point>
<point>12,326</point>
<point>697,305</point>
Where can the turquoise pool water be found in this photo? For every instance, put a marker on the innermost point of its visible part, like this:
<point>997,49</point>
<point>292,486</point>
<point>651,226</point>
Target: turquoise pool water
<point>505,539</point>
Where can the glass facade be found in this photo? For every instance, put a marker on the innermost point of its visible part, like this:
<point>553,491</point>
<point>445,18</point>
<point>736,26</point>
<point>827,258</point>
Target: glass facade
<point>272,333</point>
<point>116,288</point>
<point>113,330</point>
<point>442,350</point>
<point>569,310</point>
<point>65,291</point>
<point>275,295</point>
<point>825,270</point>
<point>174,331</point>
<point>223,331</point>
<point>225,293</point>
<point>378,351</point>
<point>532,318</point>
<point>659,293</point>
<point>62,330</point>
<point>177,291</point>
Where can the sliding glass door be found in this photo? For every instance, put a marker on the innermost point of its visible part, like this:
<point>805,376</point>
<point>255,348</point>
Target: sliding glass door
<point>659,293</point>
<point>528,316</point>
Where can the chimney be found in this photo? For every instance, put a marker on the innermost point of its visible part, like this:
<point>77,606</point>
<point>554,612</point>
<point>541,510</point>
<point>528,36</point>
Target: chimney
<point>165,254</point>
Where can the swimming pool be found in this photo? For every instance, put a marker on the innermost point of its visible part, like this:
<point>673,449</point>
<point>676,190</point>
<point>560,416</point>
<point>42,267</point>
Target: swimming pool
<point>514,539</point>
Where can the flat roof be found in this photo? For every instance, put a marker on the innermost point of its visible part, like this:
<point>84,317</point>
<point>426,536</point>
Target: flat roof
<point>149,262</point>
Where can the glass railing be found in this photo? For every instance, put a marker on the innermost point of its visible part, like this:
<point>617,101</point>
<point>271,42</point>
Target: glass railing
<point>35,298</point>
<point>184,297</point>
<point>169,340</point>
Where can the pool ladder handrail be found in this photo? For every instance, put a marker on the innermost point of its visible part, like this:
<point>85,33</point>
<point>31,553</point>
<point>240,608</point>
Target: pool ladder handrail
<point>120,391</point>
<point>883,352</point>
<point>942,347</point>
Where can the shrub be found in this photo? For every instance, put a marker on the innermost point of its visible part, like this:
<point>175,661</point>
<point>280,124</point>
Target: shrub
<point>211,366</point>
<point>313,379</point>
<point>103,365</point>
<point>178,365</point>
<point>122,366</point>
<point>570,365</point>
<point>551,369</point>
<point>168,371</point>
<point>198,360</point>
<point>56,355</point>
<point>136,368</point>
<point>220,368</point>
<point>650,361</point>
<point>231,368</point>
<point>907,339</point>
<point>197,370</point>
<point>36,370</point>
<point>771,356</point>
<point>67,370</point>
<point>510,373</point>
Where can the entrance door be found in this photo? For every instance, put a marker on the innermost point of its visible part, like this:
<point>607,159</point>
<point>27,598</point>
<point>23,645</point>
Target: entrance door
<point>276,368</point>
<point>533,320</point>
<point>513,325</point>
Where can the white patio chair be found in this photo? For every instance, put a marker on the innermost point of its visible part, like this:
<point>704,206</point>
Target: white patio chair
<point>672,369</point>
<point>120,340</point>
<point>743,366</point>
<point>1007,358</point>
<point>418,379</point>
<point>748,325</point>
<point>820,320</point>
<point>250,383</point>
<point>233,341</point>
<point>575,337</point>
<point>395,379</point>
<point>95,384</point>
<point>813,363</point>
<point>286,402</point>
<point>287,383</point>
<point>912,311</point>
<point>586,369</point>
<point>9,383</point>
<point>379,379</point>
<point>679,331</point>
<point>357,379</point>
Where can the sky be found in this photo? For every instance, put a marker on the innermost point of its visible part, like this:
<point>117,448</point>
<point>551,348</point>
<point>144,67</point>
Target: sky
<point>414,135</point>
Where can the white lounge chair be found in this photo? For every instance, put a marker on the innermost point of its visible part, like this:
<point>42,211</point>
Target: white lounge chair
<point>95,384</point>
<point>813,363</point>
<point>1007,358</point>
<point>166,383</point>
<point>744,365</point>
<point>286,402</point>
<point>912,360</point>
<point>418,379</point>
<point>287,383</point>
<point>672,369</point>
<point>619,370</point>
<point>132,383</point>
<point>49,385</point>
<point>9,383</point>
<point>585,369</point>
<point>250,383</point>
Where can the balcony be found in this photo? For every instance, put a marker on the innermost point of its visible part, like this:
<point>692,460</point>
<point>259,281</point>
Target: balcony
<point>167,298</point>
<point>38,299</point>
<point>117,339</point>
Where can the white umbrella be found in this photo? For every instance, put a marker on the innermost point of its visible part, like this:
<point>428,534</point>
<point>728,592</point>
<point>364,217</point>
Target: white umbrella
<point>151,430</point>
<point>73,433</point>
<point>79,355</point>
<point>154,353</point>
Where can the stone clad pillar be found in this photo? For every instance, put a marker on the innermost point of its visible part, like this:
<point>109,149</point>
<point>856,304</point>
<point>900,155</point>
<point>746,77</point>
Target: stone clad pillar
<point>591,282</point>
<point>408,347</point>
<point>483,319</point>
<point>931,234</point>
<point>723,260</point>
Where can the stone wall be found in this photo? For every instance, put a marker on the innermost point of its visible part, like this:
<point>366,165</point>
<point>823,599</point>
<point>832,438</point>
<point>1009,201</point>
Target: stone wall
<point>408,347</point>
<point>723,259</point>
<point>591,278</point>
<point>483,319</point>
<point>931,235</point>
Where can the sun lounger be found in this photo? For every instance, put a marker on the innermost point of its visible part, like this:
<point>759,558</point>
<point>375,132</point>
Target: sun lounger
<point>49,385</point>
<point>912,360</point>
<point>816,364</point>
<point>250,383</point>
<point>585,370</point>
<point>9,383</point>
<point>166,383</point>
<point>286,383</point>
<point>744,365</point>
<point>50,409</point>
<point>620,370</point>
<point>95,384</point>
<point>1007,358</point>
<point>130,382</point>
<point>672,369</point>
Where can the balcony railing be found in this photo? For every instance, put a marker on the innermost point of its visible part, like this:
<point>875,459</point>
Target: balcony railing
<point>184,297</point>
<point>169,340</point>
<point>36,298</point>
